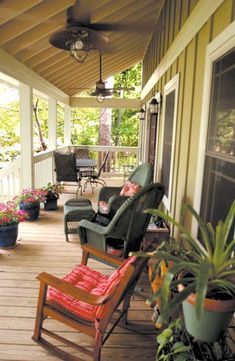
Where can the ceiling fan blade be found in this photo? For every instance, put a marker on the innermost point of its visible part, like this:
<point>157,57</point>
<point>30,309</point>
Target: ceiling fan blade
<point>122,27</point>
<point>78,13</point>
<point>103,92</point>
<point>60,39</point>
<point>99,41</point>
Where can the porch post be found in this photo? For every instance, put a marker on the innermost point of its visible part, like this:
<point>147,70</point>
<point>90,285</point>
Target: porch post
<point>140,141</point>
<point>26,136</point>
<point>52,123</point>
<point>67,125</point>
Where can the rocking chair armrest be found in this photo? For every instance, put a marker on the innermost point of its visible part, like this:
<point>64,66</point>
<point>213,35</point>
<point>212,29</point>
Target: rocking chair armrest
<point>115,202</point>
<point>101,254</point>
<point>97,228</point>
<point>107,192</point>
<point>71,290</point>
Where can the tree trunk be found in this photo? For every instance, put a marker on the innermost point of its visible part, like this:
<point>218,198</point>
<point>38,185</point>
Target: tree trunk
<point>35,110</point>
<point>105,132</point>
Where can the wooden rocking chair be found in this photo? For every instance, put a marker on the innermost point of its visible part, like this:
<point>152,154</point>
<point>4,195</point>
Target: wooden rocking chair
<point>88,312</point>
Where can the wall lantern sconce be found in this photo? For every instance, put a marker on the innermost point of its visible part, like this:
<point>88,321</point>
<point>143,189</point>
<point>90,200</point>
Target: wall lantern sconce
<point>153,106</point>
<point>142,114</point>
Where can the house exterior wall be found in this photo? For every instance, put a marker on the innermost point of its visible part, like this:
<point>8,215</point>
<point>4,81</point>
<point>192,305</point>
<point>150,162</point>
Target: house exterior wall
<point>190,65</point>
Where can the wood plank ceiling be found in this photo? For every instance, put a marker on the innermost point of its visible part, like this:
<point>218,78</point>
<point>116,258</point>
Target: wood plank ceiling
<point>26,25</point>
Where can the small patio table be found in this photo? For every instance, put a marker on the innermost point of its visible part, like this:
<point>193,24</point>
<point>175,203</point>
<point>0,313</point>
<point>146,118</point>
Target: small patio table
<point>86,163</point>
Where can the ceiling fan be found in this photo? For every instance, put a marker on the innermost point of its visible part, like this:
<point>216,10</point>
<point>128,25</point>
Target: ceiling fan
<point>80,36</point>
<point>101,92</point>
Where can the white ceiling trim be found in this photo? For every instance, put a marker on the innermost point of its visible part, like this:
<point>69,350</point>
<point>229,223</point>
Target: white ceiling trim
<point>15,69</point>
<point>82,102</point>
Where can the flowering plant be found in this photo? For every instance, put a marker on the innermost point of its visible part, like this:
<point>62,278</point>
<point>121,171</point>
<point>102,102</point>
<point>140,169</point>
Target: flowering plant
<point>53,190</point>
<point>30,196</point>
<point>10,215</point>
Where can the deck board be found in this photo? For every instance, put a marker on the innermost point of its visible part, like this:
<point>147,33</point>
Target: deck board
<point>42,247</point>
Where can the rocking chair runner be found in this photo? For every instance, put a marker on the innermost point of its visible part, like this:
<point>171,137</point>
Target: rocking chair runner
<point>89,312</point>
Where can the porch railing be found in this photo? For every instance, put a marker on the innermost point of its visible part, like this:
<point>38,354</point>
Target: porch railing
<point>121,162</point>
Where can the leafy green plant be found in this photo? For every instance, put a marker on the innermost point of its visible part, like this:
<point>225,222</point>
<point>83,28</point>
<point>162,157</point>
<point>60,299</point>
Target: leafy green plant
<point>207,268</point>
<point>170,345</point>
<point>53,190</point>
<point>174,344</point>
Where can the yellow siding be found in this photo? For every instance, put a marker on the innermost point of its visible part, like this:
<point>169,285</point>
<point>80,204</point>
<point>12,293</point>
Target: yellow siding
<point>185,11</point>
<point>171,24</point>
<point>190,65</point>
<point>178,12</point>
<point>187,84</point>
<point>203,39</point>
<point>173,16</point>
<point>222,17</point>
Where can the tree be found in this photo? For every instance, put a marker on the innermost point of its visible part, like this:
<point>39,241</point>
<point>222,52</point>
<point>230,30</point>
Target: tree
<point>39,130</point>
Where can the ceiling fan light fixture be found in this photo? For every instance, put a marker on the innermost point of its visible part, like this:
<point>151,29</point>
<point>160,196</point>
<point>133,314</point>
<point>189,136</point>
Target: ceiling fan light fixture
<point>79,55</point>
<point>79,46</point>
<point>100,97</point>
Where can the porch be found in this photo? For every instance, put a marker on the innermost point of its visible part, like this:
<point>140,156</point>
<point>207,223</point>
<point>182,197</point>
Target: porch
<point>42,247</point>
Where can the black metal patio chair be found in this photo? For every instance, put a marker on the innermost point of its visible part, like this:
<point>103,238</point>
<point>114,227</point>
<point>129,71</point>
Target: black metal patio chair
<point>66,170</point>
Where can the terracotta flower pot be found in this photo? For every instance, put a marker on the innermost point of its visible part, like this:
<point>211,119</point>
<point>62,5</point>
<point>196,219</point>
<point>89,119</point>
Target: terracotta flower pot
<point>213,321</point>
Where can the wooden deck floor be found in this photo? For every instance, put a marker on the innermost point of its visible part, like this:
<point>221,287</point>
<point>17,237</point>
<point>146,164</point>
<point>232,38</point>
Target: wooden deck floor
<point>42,247</point>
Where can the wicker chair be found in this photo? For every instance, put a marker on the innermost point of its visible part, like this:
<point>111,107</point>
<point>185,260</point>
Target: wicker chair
<point>142,175</point>
<point>127,228</point>
<point>89,312</point>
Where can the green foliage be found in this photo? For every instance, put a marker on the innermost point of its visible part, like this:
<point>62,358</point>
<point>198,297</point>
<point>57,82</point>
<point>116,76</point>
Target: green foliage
<point>170,346</point>
<point>9,131</point>
<point>174,344</point>
<point>130,78</point>
<point>208,267</point>
<point>85,126</point>
<point>60,125</point>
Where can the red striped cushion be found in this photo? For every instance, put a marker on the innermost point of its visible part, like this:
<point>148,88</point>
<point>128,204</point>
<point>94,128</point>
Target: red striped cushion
<point>93,282</point>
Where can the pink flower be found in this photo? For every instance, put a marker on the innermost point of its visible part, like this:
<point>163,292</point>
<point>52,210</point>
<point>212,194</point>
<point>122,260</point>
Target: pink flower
<point>10,215</point>
<point>30,196</point>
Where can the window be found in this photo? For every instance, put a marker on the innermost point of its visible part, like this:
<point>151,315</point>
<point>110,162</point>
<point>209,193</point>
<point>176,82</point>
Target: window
<point>219,170</point>
<point>168,140</point>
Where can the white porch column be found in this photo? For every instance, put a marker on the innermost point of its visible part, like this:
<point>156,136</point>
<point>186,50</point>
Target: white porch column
<point>26,136</point>
<point>67,124</point>
<point>52,123</point>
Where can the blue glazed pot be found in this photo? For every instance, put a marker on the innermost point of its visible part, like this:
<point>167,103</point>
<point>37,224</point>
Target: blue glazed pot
<point>32,210</point>
<point>8,236</point>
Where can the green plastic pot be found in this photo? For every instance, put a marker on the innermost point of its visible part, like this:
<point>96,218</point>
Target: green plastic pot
<point>214,320</point>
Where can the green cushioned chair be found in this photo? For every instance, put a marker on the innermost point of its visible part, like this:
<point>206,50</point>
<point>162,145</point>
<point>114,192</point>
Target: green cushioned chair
<point>142,175</point>
<point>127,228</point>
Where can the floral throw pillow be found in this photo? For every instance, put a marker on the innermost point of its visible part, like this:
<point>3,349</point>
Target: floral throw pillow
<point>130,188</point>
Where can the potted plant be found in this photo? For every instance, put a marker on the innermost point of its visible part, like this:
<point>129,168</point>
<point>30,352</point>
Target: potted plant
<point>29,200</point>
<point>174,344</point>
<point>204,273</point>
<point>10,217</point>
<point>51,196</point>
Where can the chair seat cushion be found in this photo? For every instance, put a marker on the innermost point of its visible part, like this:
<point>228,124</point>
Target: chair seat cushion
<point>130,188</point>
<point>93,282</point>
